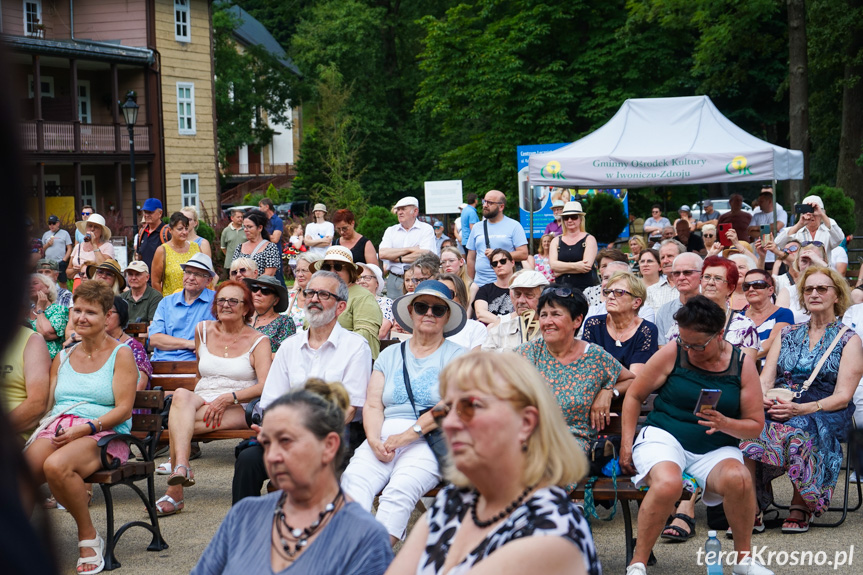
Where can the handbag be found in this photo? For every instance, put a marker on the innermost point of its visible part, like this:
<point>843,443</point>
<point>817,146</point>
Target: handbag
<point>435,439</point>
<point>785,394</point>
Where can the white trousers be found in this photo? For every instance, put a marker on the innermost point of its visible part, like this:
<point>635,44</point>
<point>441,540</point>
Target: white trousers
<point>401,482</point>
<point>858,405</point>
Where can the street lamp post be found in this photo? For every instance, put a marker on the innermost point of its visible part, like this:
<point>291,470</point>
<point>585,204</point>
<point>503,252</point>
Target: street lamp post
<point>130,113</point>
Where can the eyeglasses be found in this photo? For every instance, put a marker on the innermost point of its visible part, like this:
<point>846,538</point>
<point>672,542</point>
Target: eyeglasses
<point>342,229</point>
<point>323,295</point>
<point>693,346</point>
<point>239,271</point>
<point>415,281</point>
<point>617,292</point>
<point>465,409</point>
<point>558,291</point>
<point>820,289</point>
<point>262,289</point>
<point>791,249</point>
<point>497,263</point>
<point>229,302</point>
<point>197,275</point>
<point>714,279</point>
<point>570,217</point>
<point>337,267</point>
<point>757,284</point>
<point>815,243</point>
<point>245,227</point>
<point>438,309</point>
<point>368,278</point>
<point>686,273</point>
<point>489,203</point>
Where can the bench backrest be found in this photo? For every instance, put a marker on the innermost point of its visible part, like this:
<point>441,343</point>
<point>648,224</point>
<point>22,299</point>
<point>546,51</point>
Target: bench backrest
<point>615,426</point>
<point>138,331</point>
<point>172,375</point>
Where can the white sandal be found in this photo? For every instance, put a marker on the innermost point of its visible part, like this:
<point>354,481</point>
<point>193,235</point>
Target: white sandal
<point>165,468</point>
<point>97,544</point>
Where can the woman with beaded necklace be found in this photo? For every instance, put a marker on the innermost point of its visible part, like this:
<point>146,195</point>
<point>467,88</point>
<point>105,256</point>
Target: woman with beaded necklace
<point>309,525</point>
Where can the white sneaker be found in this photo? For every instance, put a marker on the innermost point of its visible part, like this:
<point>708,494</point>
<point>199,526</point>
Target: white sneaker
<point>853,478</point>
<point>165,468</point>
<point>636,569</point>
<point>749,566</point>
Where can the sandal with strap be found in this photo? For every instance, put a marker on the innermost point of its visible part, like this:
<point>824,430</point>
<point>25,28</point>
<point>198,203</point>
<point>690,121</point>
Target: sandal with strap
<point>98,545</point>
<point>797,525</point>
<point>176,506</point>
<point>680,534</point>
<point>186,479</point>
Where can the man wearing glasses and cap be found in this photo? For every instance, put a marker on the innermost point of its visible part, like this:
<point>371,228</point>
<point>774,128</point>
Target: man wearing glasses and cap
<point>172,332</point>
<point>404,242</point>
<point>763,215</point>
<point>154,234</point>
<point>143,300</point>
<point>57,246</point>
<point>554,226</point>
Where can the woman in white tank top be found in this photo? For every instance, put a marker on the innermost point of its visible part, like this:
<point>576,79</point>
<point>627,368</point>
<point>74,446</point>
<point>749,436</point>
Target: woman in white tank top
<point>233,363</point>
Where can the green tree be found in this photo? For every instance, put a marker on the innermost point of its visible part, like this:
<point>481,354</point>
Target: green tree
<point>838,206</point>
<point>605,218</point>
<point>375,223</point>
<point>252,88</point>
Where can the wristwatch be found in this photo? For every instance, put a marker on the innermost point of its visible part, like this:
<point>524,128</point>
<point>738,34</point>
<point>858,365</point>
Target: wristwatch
<point>236,401</point>
<point>418,428</point>
<point>615,392</point>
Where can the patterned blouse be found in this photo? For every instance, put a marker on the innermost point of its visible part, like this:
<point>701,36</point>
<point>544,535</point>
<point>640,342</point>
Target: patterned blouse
<point>543,266</point>
<point>548,513</point>
<point>58,316</point>
<point>295,311</point>
<point>266,257</point>
<point>740,332</point>
<point>575,385</point>
<point>278,331</point>
<point>386,305</point>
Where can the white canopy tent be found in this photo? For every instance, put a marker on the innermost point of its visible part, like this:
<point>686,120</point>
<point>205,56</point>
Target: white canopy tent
<point>665,141</point>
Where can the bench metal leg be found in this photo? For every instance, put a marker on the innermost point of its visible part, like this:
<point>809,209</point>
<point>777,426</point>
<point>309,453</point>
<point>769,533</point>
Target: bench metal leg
<point>627,526</point>
<point>111,562</point>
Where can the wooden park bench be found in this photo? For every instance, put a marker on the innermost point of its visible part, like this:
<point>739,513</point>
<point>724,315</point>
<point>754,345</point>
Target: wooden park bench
<point>603,487</point>
<point>146,428</point>
<point>139,332</point>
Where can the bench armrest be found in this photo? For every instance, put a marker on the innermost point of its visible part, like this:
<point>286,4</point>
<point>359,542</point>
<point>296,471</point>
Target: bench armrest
<point>128,439</point>
<point>251,416</point>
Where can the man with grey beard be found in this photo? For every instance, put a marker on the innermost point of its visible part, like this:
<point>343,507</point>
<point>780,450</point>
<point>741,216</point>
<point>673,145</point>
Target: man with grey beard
<point>326,351</point>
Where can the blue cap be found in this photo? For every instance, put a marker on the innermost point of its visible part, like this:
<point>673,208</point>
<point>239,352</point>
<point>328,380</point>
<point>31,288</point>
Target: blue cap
<point>151,205</point>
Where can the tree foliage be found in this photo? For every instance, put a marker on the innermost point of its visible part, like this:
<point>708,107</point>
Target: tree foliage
<point>604,217</point>
<point>838,206</point>
<point>375,223</point>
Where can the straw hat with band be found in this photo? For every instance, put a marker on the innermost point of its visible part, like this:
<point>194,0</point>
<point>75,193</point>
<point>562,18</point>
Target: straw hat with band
<point>111,266</point>
<point>572,209</point>
<point>270,282</point>
<point>457,316</point>
<point>338,254</point>
<point>99,221</point>
<point>376,271</point>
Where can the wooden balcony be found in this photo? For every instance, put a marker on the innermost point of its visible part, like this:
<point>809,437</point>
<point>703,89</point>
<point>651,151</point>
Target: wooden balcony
<point>75,137</point>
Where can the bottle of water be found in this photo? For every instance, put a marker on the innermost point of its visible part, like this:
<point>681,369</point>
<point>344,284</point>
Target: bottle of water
<point>711,554</point>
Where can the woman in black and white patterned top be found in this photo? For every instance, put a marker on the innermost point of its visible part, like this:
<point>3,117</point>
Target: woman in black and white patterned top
<point>506,505</point>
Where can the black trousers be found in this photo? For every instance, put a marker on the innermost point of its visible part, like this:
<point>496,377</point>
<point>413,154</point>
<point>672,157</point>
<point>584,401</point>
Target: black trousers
<point>250,471</point>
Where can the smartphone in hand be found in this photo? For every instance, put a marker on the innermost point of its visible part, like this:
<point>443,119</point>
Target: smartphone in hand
<point>723,237</point>
<point>708,399</point>
<point>803,209</point>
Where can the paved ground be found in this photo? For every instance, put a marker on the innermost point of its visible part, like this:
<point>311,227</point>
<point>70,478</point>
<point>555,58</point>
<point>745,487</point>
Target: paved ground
<point>189,532</point>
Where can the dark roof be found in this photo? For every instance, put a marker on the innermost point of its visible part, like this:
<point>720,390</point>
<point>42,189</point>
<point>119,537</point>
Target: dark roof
<point>80,49</point>
<point>251,32</point>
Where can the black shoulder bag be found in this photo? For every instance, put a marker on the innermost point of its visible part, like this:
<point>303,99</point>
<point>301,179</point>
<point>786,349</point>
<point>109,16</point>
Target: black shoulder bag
<point>435,439</point>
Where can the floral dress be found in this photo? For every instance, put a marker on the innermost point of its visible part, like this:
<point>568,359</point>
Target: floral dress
<point>543,266</point>
<point>806,447</point>
<point>278,331</point>
<point>58,316</point>
<point>575,385</point>
<point>295,311</point>
<point>548,513</point>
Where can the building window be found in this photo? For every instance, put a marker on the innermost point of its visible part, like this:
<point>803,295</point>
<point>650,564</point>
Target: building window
<point>33,18</point>
<point>186,107</point>
<point>181,21</point>
<point>47,86</point>
<point>190,189</point>
<point>88,190</point>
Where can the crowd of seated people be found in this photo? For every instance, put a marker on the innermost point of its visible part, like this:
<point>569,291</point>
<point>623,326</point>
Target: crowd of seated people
<point>497,390</point>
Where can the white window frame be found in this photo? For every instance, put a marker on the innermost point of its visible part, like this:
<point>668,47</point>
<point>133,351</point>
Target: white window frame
<point>186,109</point>
<point>85,99</point>
<point>28,31</point>
<point>182,23</point>
<point>46,81</point>
<point>88,190</point>
<point>189,190</point>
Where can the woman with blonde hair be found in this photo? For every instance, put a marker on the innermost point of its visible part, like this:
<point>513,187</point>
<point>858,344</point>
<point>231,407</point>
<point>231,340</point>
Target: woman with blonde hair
<point>204,245</point>
<point>452,262</point>
<point>573,254</point>
<point>46,316</point>
<point>636,246</point>
<point>242,268</point>
<point>511,457</point>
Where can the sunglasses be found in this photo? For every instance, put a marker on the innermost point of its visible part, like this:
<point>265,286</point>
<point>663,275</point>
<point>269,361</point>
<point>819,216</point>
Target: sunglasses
<point>709,235</point>
<point>758,284</point>
<point>820,289</point>
<point>230,302</point>
<point>497,263</point>
<point>685,273</point>
<point>558,291</point>
<point>438,309</point>
<point>262,289</point>
<point>86,213</point>
<point>815,243</point>
<point>415,281</point>
<point>617,292</point>
<point>570,217</point>
<point>239,271</point>
<point>791,249</point>
<point>465,409</point>
<point>696,347</point>
<point>336,267</point>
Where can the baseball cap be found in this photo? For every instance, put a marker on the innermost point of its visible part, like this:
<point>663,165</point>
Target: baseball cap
<point>53,219</point>
<point>461,207</point>
<point>684,208</point>
<point>707,203</point>
<point>46,264</point>
<point>407,201</point>
<point>151,205</point>
<point>138,266</point>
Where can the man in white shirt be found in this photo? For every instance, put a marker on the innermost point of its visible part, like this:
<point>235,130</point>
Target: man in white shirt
<point>404,242</point>
<point>763,215</point>
<point>686,271</point>
<point>320,233</point>
<point>326,351</point>
<point>814,227</point>
<point>853,318</point>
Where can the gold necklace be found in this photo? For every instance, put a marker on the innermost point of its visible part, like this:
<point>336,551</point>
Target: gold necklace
<point>90,353</point>
<point>233,342</point>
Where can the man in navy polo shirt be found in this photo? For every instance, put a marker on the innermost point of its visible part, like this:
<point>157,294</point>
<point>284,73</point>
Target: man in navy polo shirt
<point>172,332</point>
<point>153,235</point>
